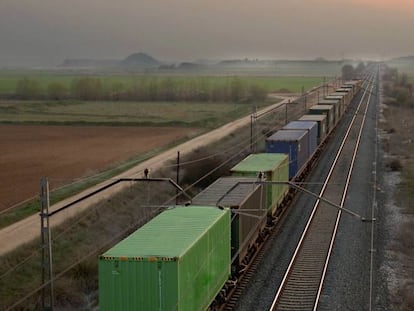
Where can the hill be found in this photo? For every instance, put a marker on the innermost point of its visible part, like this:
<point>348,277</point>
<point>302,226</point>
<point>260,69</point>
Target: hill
<point>135,60</point>
<point>140,60</point>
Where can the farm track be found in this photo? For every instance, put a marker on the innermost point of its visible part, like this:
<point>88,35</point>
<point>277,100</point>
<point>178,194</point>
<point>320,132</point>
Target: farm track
<point>301,286</point>
<point>27,230</point>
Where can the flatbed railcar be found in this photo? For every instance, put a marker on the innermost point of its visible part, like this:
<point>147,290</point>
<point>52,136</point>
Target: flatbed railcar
<point>337,101</point>
<point>322,124</point>
<point>327,110</point>
<point>180,260</point>
<point>246,198</point>
<point>186,256</point>
<point>271,167</point>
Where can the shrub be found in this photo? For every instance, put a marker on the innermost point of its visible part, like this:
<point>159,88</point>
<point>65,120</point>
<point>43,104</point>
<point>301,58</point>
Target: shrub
<point>395,165</point>
<point>56,91</point>
<point>28,89</point>
<point>87,88</point>
<point>193,171</point>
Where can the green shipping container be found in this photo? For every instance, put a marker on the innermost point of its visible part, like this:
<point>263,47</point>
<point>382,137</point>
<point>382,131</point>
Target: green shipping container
<point>275,167</point>
<point>178,261</point>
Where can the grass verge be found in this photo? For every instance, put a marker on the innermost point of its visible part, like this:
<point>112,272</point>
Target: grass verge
<point>78,242</point>
<point>400,146</point>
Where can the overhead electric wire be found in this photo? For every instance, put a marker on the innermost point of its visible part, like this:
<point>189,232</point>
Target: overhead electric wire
<point>21,263</point>
<point>67,269</point>
<point>244,147</point>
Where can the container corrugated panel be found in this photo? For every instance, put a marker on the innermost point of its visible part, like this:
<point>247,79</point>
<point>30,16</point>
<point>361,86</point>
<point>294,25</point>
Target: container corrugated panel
<point>355,84</point>
<point>311,127</point>
<point>343,90</point>
<point>346,93</point>
<point>321,120</point>
<point>337,101</point>
<point>350,88</point>
<point>291,142</point>
<point>339,107</point>
<point>178,261</point>
<point>241,193</point>
<point>324,110</point>
<point>341,97</point>
<point>275,168</point>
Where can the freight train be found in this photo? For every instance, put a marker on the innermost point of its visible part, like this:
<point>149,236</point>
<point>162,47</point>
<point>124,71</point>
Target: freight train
<point>189,256</point>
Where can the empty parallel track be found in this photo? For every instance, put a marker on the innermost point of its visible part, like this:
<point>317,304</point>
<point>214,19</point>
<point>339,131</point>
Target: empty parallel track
<point>303,280</point>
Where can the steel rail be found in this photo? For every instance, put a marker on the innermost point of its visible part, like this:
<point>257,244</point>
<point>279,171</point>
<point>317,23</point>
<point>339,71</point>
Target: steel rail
<point>374,199</point>
<point>304,234</point>
<point>343,199</point>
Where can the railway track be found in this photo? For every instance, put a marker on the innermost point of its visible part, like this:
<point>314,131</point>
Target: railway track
<point>238,291</point>
<point>301,286</point>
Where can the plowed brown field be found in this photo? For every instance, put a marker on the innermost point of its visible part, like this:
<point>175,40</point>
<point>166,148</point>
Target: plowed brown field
<point>64,153</point>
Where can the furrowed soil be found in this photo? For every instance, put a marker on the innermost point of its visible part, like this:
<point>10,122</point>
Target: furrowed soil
<point>65,153</point>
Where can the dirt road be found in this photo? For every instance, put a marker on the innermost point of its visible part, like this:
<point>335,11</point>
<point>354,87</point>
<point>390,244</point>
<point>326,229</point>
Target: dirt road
<point>28,229</point>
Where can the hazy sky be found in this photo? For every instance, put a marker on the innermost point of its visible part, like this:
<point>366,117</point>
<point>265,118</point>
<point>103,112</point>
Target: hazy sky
<point>42,32</point>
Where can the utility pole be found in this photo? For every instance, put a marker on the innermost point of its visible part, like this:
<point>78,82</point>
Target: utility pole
<point>177,180</point>
<point>306,104</point>
<point>46,246</point>
<point>252,128</point>
<point>286,113</point>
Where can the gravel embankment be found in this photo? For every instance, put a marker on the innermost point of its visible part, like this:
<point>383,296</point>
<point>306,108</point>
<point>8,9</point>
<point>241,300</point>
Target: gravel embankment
<point>261,290</point>
<point>347,284</point>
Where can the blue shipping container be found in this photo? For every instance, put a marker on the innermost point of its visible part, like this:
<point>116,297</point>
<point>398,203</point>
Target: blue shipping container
<point>311,127</point>
<point>292,142</point>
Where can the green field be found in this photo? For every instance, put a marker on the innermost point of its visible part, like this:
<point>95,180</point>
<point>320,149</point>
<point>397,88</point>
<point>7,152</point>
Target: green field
<point>204,115</point>
<point>175,111</point>
<point>95,229</point>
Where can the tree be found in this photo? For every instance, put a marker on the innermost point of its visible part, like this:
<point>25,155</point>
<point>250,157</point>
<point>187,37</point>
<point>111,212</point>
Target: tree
<point>257,93</point>
<point>390,74</point>
<point>347,72</point>
<point>28,88</point>
<point>403,80</point>
<point>56,91</point>
<point>87,88</point>
<point>360,68</point>
<point>236,89</point>
<point>152,89</point>
<point>167,90</point>
<point>117,88</point>
<point>401,94</point>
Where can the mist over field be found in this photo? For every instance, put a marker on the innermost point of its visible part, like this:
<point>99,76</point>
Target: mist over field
<point>45,32</point>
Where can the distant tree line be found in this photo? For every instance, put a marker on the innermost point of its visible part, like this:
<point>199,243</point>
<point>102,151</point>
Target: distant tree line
<point>349,72</point>
<point>234,89</point>
<point>397,88</point>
